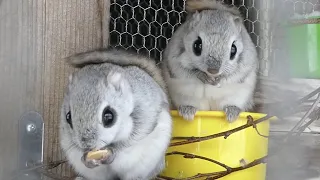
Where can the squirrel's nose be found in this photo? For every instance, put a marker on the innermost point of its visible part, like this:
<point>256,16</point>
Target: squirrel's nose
<point>213,66</point>
<point>85,139</point>
<point>87,144</point>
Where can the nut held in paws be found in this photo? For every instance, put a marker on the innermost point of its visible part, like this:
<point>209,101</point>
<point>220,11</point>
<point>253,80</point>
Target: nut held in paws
<point>98,154</point>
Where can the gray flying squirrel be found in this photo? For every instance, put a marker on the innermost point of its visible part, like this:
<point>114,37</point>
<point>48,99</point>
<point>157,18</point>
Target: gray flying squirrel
<point>116,100</point>
<point>210,62</point>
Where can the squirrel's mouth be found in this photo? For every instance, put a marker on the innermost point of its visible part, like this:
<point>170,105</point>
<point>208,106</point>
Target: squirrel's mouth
<point>214,73</point>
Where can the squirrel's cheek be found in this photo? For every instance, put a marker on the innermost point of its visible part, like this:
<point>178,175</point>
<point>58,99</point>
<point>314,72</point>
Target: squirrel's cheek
<point>107,135</point>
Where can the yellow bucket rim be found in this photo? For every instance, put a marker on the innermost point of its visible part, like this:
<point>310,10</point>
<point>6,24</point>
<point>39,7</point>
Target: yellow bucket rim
<point>222,114</point>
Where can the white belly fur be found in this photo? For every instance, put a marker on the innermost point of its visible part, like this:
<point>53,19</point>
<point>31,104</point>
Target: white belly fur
<point>202,96</point>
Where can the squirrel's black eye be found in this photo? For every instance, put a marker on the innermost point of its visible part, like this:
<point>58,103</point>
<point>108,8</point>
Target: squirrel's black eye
<point>108,117</point>
<point>233,51</point>
<point>69,120</point>
<point>197,47</point>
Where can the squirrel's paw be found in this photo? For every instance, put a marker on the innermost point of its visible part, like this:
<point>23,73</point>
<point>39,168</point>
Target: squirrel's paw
<point>232,113</point>
<point>109,159</point>
<point>207,79</point>
<point>92,163</point>
<point>187,112</point>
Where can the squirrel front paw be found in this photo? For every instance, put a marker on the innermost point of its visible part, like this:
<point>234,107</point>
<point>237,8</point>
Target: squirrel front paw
<point>232,113</point>
<point>187,112</point>
<point>207,79</point>
<point>92,163</point>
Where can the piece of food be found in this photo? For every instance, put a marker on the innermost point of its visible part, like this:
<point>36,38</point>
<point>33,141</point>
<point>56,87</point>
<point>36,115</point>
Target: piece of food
<point>98,154</point>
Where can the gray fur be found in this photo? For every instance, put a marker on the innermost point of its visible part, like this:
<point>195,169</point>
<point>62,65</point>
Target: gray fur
<point>190,78</point>
<point>141,134</point>
<point>120,57</point>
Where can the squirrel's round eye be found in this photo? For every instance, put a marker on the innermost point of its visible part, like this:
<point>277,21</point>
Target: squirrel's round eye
<point>69,120</point>
<point>233,51</point>
<point>197,47</point>
<point>108,117</point>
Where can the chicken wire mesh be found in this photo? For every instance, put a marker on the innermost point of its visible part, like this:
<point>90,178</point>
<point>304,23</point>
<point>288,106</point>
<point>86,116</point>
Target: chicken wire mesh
<point>301,6</point>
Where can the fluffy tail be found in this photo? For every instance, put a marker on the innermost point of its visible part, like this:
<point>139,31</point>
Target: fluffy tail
<point>121,58</point>
<point>199,5</point>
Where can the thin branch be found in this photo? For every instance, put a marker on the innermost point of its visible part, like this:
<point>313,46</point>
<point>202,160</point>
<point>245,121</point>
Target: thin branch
<point>224,134</point>
<point>207,175</point>
<point>214,175</point>
<point>54,176</point>
<point>314,105</point>
<point>306,125</point>
<point>291,106</point>
<point>163,178</point>
<point>50,165</point>
<point>192,156</point>
<point>247,166</point>
<point>251,121</point>
<point>310,95</point>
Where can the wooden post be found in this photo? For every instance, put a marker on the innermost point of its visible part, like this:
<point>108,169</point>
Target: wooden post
<point>35,36</point>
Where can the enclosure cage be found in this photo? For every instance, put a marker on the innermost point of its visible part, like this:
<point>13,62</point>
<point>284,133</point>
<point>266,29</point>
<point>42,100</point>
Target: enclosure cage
<point>36,34</point>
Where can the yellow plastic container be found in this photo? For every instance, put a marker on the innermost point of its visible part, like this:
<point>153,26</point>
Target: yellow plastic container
<point>246,144</point>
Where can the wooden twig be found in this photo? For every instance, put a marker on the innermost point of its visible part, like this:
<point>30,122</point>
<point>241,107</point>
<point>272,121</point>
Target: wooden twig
<point>213,175</point>
<point>315,117</point>
<point>290,107</point>
<point>247,166</point>
<point>54,176</point>
<point>307,97</point>
<point>51,165</point>
<point>48,166</point>
<point>314,105</point>
<point>162,178</point>
<point>224,134</point>
<point>251,121</point>
<point>192,156</point>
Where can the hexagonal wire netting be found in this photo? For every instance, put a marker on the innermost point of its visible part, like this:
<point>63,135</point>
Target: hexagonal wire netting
<point>146,26</point>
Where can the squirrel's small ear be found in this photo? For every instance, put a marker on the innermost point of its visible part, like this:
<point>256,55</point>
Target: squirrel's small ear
<point>70,78</point>
<point>196,16</point>
<point>238,20</point>
<point>116,80</point>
